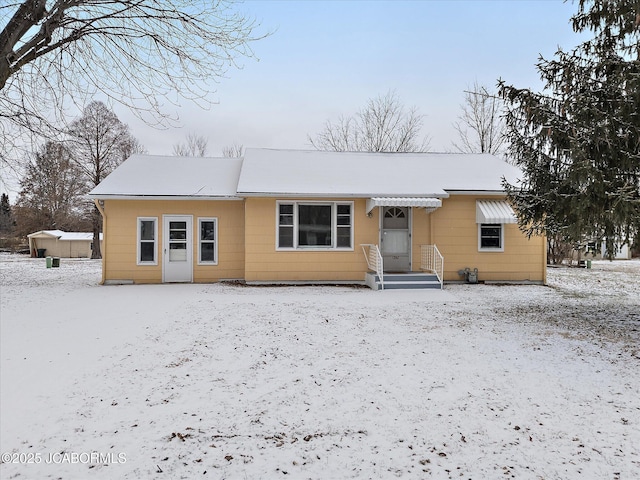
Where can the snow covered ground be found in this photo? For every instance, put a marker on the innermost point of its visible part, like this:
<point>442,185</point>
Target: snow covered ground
<point>225,381</point>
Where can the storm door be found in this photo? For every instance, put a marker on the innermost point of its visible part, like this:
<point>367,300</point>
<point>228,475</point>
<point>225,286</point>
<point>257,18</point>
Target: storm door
<point>395,240</point>
<point>177,258</point>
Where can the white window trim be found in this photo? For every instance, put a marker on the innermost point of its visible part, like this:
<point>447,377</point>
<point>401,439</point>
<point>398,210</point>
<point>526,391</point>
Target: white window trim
<point>215,241</point>
<point>491,249</point>
<point>334,226</point>
<point>155,240</point>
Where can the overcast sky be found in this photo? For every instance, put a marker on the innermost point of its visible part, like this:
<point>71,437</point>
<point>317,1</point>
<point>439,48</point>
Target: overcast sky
<point>327,58</point>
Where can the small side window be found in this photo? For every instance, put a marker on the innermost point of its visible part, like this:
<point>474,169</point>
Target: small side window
<point>147,251</point>
<point>207,241</point>
<point>490,237</point>
<point>343,225</point>
<point>285,225</point>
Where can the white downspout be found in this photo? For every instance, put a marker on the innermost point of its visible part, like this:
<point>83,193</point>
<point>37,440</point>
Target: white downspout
<point>102,246</point>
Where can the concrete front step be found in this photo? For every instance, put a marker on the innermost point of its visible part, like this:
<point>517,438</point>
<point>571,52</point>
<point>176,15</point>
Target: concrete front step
<point>403,281</point>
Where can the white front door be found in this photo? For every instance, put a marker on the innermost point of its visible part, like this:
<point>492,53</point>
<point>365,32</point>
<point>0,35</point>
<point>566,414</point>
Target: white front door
<point>177,258</point>
<point>395,240</point>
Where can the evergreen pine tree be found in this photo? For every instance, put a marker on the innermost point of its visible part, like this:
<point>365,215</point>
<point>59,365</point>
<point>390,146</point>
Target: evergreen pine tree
<point>6,215</point>
<point>578,141</point>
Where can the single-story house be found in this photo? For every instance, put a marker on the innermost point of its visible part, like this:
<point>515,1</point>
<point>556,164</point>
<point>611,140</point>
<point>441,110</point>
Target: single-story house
<point>56,243</point>
<point>290,216</point>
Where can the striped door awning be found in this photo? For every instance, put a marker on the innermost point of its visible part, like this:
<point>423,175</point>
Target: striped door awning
<point>420,202</point>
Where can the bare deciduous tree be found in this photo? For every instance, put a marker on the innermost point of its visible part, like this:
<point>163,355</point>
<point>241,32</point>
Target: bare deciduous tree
<point>233,151</point>
<point>139,53</point>
<point>480,126</point>
<point>50,192</point>
<point>383,125</point>
<point>99,142</point>
<point>194,146</point>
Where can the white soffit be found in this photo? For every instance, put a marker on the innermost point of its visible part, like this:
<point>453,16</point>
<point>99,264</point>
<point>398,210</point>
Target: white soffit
<point>421,202</point>
<point>494,211</point>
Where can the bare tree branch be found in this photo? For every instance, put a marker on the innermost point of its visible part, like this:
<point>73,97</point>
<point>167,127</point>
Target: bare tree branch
<point>233,151</point>
<point>480,126</point>
<point>383,125</point>
<point>195,146</point>
<point>57,55</point>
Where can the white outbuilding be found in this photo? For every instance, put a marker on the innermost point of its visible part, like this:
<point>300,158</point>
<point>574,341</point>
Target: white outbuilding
<point>57,243</point>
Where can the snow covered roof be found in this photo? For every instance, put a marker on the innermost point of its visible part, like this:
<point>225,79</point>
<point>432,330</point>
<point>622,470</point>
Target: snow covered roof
<point>360,174</point>
<point>61,235</point>
<point>46,233</point>
<point>168,176</point>
<point>310,173</point>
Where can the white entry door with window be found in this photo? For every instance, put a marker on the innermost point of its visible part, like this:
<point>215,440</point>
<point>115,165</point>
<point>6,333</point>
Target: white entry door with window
<point>177,258</point>
<point>396,239</point>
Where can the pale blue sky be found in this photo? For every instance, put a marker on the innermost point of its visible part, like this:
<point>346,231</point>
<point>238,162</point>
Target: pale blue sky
<point>326,58</point>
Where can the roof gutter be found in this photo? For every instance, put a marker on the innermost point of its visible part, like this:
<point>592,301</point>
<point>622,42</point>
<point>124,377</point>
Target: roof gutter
<point>340,195</point>
<point>163,197</point>
<point>477,192</point>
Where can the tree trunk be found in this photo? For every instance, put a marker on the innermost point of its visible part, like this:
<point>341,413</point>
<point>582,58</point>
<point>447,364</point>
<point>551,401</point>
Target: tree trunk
<point>97,227</point>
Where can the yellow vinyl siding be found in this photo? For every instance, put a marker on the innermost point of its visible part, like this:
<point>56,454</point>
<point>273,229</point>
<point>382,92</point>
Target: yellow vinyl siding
<point>120,225</point>
<point>263,263</point>
<point>455,232</point>
<point>247,243</point>
<point>420,235</point>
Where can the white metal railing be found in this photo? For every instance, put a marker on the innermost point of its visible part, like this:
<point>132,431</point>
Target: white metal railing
<point>374,260</point>
<point>432,261</point>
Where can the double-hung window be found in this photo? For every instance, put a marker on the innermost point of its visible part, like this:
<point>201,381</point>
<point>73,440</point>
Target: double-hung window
<point>491,237</point>
<point>147,251</point>
<point>315,225</point>
<point>207,241</point>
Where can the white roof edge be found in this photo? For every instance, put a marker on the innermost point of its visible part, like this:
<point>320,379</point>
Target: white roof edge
<point>243,195</point>
<point>476,192</point>
<point>343,195</point>
<point>50,233</point>
<point>62,235</point>
<point>164,197</point>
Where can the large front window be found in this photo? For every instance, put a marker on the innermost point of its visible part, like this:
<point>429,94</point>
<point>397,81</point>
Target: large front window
<point>315,225</point>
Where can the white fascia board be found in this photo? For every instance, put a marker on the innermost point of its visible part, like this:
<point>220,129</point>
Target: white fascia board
<point>162,197</point>
<point>477,192</point>
<point>340,195</point>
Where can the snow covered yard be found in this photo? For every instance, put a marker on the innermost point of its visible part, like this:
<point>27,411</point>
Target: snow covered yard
<point>224,381</point>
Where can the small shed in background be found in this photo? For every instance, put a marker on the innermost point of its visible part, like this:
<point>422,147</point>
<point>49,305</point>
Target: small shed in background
<point>623,252</point>
<point>56,243</point>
